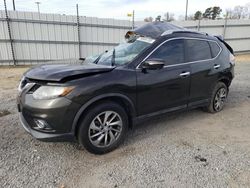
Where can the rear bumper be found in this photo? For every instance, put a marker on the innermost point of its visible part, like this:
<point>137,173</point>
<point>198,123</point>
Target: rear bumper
<point>45,136</point>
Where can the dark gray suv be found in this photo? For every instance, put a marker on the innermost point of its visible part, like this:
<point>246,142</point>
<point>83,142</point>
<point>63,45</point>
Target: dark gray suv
<point>160,68</point>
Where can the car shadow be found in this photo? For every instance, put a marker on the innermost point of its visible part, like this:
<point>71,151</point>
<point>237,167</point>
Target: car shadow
<point>164,120</point>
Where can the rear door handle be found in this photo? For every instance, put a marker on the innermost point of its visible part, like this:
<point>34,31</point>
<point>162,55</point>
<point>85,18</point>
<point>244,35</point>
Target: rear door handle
<point>216,66</point>
<point>184,74</point>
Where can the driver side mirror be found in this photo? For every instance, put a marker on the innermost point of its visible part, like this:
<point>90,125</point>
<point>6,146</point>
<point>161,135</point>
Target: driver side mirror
<point>153,64</point>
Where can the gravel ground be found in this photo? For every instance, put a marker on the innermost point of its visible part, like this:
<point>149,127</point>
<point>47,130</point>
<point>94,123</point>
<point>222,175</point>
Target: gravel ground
<point>188,149</point>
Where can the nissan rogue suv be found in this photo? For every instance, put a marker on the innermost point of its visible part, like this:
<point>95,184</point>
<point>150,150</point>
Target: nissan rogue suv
<point>160,68</point>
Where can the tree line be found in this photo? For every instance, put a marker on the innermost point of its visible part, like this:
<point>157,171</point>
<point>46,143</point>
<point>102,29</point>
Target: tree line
<point>212,13</point>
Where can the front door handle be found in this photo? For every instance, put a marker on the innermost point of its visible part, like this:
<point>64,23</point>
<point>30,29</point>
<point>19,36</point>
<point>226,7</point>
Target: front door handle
<point>184,74</point>
<point>216,66</point>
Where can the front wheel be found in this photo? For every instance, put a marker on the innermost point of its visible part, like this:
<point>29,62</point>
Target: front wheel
<point>218,98</point>
<point>103,128</point>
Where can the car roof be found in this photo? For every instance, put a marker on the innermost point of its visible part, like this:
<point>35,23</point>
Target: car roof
<point>155,29</point>
<point>158,30</point>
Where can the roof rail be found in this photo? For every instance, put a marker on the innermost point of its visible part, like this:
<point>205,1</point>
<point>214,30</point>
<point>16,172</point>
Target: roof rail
<point>169,32</point>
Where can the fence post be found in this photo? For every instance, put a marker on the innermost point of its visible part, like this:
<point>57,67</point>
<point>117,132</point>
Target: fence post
<point>225,26</point>
<point>78,31</point>
<point>9,31</point>
<point>133,20</point>
<point>199,24</point>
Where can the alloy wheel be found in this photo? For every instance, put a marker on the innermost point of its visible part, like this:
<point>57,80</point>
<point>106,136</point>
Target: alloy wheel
<point>219,99</point>
<point>105,129</point>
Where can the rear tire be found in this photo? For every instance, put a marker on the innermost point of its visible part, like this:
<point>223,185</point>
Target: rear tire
<point>218,98</point>
<point>103,128</point>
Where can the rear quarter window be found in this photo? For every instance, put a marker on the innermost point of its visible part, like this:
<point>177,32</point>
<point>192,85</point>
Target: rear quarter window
<point>215,49</point>
<point>197,50</point>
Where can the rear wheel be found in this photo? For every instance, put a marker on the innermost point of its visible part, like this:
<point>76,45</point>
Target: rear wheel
<point>218,98</point>
<point>103,128</point>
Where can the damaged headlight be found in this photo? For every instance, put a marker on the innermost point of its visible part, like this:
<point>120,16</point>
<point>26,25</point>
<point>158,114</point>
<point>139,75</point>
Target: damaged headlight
<point>51,92</point>
<point>22,83</point>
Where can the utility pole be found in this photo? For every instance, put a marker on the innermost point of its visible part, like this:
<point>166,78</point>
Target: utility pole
<point>14,6</point>
<point>186,9</point>
<point>38,6</point>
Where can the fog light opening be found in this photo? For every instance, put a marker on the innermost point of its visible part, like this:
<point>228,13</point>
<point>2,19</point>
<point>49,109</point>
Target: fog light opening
<point>41,124</point>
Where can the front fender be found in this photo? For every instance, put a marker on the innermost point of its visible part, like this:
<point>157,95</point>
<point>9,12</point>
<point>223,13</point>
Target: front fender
<point>98,98</point>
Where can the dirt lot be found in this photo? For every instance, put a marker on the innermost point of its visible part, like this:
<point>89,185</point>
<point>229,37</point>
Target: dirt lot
<point>189,149</point>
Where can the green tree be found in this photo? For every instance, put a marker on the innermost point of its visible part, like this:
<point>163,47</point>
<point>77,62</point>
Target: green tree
<point>212,13</point>
<point>158,18</point>
<point>207,13</point>
<point>198,15</point>
<point>216,12</point>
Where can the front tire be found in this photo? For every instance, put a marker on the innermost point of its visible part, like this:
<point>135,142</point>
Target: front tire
<point>218,98</point>
<point>103,128</point>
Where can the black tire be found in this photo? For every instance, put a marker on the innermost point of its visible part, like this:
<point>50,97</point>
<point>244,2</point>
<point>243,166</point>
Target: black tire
<point>212,107</point>
<point>86,134</point>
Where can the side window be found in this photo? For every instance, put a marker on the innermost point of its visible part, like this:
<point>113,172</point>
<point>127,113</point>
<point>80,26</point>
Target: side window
<point>172,52</point>
<point>197,50</point>
<point>215,49</point>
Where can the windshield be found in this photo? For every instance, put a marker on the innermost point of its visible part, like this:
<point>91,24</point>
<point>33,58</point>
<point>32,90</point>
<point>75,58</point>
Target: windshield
<point>123,53</point>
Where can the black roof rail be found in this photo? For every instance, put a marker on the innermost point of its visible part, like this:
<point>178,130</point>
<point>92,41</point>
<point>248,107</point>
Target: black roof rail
<point>168,32</point>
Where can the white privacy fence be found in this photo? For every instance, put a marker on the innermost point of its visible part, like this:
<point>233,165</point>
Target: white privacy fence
<point>235,32</point>
<point>33,38</point>
<point>40,38</point>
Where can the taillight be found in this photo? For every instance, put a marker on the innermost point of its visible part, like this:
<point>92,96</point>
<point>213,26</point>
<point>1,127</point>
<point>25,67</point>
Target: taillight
<point>232,59</point>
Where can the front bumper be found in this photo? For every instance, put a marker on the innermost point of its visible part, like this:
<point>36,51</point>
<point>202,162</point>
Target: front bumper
<point>57,113</point>
<point>45,136</point>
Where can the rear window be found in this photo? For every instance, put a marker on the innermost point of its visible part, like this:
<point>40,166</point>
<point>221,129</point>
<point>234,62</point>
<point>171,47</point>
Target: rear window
<point>215,49</point>
<point>197,50</point>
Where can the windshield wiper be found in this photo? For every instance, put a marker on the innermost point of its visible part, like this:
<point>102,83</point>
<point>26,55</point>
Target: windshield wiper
<point>113,58</point>
<point>99,57</point>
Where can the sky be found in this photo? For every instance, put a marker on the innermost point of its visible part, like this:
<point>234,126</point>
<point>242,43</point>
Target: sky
<point>119,8</point>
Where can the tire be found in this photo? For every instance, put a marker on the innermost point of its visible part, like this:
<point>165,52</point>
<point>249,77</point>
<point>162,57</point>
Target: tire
<point>103,128</point>
<point>218,97</point>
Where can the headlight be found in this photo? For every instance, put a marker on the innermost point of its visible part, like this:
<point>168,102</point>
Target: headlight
<point>21,84</point>
<point>51,92</point>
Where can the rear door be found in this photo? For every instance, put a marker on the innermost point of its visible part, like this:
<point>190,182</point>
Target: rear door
<point>167,88</point>
<point>201,55</point>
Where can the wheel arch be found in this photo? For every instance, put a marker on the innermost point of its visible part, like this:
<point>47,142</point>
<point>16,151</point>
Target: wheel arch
<point>226,79</point>
<point>121,99</point>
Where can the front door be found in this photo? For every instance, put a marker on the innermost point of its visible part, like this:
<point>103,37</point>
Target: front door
<point>164,89</point>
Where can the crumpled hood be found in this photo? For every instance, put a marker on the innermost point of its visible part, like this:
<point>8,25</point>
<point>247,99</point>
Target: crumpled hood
<point>62,72</point>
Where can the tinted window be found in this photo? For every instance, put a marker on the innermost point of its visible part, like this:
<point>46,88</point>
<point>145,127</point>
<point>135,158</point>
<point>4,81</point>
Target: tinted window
<point>172,52</point>
<point>215,49</point>
<point>197,50</point>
